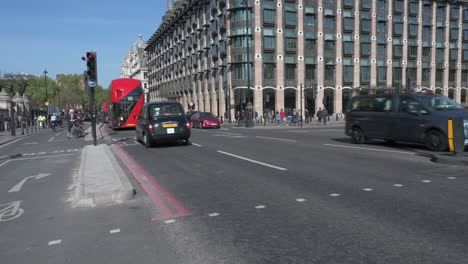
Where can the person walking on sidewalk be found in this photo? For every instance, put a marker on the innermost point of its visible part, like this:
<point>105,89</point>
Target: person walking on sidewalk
<point>6,122</point>
<point>319,116</point>
<point>278,118</point>
<point>324,115</point>
<point>282,114</point>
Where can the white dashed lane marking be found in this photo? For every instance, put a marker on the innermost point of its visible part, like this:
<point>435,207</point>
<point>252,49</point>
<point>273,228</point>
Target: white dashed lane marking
<point>335,194</point>
<point>55,242</point>
<point>426,181</point>
<point>300,200</point>
<point>213,214</point>
<point>368,189</point>
<point>170,221</point>
<point>451,178</point>
<point>253,161</point>
<point>198,145</point>
<point>260,207</point>
<point>398,185</point>
<point>113,231</point>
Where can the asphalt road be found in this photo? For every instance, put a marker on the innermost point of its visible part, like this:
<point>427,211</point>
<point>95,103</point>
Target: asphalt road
<point>240,195</point>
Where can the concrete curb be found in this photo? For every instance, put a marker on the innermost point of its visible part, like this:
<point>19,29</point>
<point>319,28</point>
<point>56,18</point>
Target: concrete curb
<point>101,180</point>
<point>451,159</point>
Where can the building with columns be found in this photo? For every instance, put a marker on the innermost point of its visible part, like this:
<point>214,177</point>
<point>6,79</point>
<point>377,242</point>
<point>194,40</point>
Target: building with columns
<point>306,54</point>
<point>135,64</point>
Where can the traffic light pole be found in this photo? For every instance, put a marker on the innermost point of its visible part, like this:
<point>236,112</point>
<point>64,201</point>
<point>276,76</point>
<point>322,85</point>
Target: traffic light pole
<point>93,114</point>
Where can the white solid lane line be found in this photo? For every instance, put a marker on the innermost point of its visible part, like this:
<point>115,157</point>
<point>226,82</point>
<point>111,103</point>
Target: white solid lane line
<point>279,139</point>
<point>253,161</point>
<point>55,242</point>
<point>372,149</point>
<point>198,145</point>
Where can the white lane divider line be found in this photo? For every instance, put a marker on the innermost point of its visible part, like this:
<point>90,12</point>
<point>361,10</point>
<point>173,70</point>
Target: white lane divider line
<point>260,207</point>
<point>253,161</point>
<point>278,139</point>
<point>426,181</point>
<point>368,189</point>
<point>52,138</point>
<point>55,242</point>
<point>213,214</point>
<point>452,178</point>
<point>398,185</point>
<point>170,221</point>
<point>335,194</point>
<point>114,231</point>
<point>115,140</point>
<point>301,200</point>
<point>371,149</point>
<point>136,142</point>
<point>198,145</point>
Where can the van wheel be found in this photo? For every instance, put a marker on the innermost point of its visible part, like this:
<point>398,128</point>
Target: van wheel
<point>357,137</point>
<point>146,141</point>
<point>435,141</point>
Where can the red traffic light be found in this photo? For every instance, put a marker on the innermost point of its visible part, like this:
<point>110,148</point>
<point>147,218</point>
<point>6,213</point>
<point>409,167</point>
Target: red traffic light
<point>90,56</point>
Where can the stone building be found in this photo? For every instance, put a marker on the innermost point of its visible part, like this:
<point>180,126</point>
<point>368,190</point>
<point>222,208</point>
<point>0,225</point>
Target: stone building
<point>135,65</point>
<point>285,54</point>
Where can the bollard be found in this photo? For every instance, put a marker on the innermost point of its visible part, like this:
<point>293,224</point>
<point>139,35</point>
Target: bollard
<point>336,117</point>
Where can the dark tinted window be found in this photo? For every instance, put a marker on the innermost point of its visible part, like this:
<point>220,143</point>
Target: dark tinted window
<point>207,115</point>
<point>410,105</point>
<point>372,104</point>
<point>440,102</point>
<point>164,110</point>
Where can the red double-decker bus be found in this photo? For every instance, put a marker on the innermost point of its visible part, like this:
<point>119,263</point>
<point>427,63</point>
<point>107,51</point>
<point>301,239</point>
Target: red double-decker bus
<point>126,100</point>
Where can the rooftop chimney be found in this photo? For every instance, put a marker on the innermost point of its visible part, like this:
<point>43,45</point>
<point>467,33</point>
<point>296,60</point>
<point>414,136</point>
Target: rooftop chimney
<point>170,4</point>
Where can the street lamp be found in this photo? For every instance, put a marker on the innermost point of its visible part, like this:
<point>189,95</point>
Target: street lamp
<point>249,122</point>
<point>45,80</point>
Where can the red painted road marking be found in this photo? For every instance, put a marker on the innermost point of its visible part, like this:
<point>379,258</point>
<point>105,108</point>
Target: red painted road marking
<point>130,163</point>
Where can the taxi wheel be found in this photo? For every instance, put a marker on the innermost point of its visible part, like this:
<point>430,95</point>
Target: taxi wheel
<point>435,141</point>
<point>185,142</point>
<point>357,136</point>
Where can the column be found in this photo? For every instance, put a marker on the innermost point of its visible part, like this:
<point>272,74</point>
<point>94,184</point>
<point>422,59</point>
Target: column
<point>214,102</point>
<point>447,50</point>
<point>357,46</point>
<point>320,65</point>
<point>390,44</point>
<point>373,57</point>
<point>258,63</point>
<point>338,104</point>
<point>230,92</point>
<point>460,57</point>
<point>433,49</point>
<point>300,58</point>
<point>404,64</point>
<point>280,57</point>
<point>194,89</point>
<point>221,91</point>
<point>419,59</point>
<point>201,103</point>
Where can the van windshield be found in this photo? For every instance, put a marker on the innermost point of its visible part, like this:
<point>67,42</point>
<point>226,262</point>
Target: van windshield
<point>165,110</point>
<point>440,102</point>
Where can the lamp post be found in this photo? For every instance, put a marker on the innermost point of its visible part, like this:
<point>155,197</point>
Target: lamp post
<point>249,122</point>
<point>46,93</point>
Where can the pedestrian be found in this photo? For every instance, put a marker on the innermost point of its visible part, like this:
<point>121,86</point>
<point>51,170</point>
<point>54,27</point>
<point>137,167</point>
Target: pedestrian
<point>306,115</point>
<point>282,114</point>
<point>325,115</point>
<point>6,122</point>
<point>278,118</point>
<point>319,116</point>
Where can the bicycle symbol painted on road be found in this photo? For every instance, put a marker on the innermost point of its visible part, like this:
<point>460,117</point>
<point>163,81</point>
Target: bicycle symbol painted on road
<point>11,211</point>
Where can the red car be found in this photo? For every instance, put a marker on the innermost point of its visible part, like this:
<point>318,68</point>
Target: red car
<point>205,120</point>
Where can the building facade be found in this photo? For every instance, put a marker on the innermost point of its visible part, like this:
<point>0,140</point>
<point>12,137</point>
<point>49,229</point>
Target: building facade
<point>135,65</point>
<point>217,55</point>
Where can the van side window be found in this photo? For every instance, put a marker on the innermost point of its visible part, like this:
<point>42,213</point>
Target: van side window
<point>411,106</point>
<point>372,104</point>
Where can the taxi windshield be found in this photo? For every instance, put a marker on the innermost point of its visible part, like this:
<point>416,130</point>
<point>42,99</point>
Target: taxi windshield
<point>440,102</point>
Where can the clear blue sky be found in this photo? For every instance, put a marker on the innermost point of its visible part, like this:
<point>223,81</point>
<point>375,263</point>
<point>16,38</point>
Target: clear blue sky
<point>55,34</point>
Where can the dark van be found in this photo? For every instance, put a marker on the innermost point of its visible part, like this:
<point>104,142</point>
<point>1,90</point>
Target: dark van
<point>162,122</point>
<point>415,117</point>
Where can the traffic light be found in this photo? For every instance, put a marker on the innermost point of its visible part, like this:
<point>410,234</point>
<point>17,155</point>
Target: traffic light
<point>92,66</point>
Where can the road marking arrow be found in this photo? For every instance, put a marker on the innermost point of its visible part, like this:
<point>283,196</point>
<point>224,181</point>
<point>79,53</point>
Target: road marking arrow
<point>20,184</point>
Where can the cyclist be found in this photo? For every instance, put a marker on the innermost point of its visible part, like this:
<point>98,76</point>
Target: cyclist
<point>53,121</point>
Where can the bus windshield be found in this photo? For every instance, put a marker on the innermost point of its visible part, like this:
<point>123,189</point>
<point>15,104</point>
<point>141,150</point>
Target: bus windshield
<point>124,107</point>
<point>440,102</point>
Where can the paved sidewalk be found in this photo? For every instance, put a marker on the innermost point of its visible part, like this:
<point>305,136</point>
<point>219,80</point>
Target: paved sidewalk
<point>5,136</point>
<point>100,180</point>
